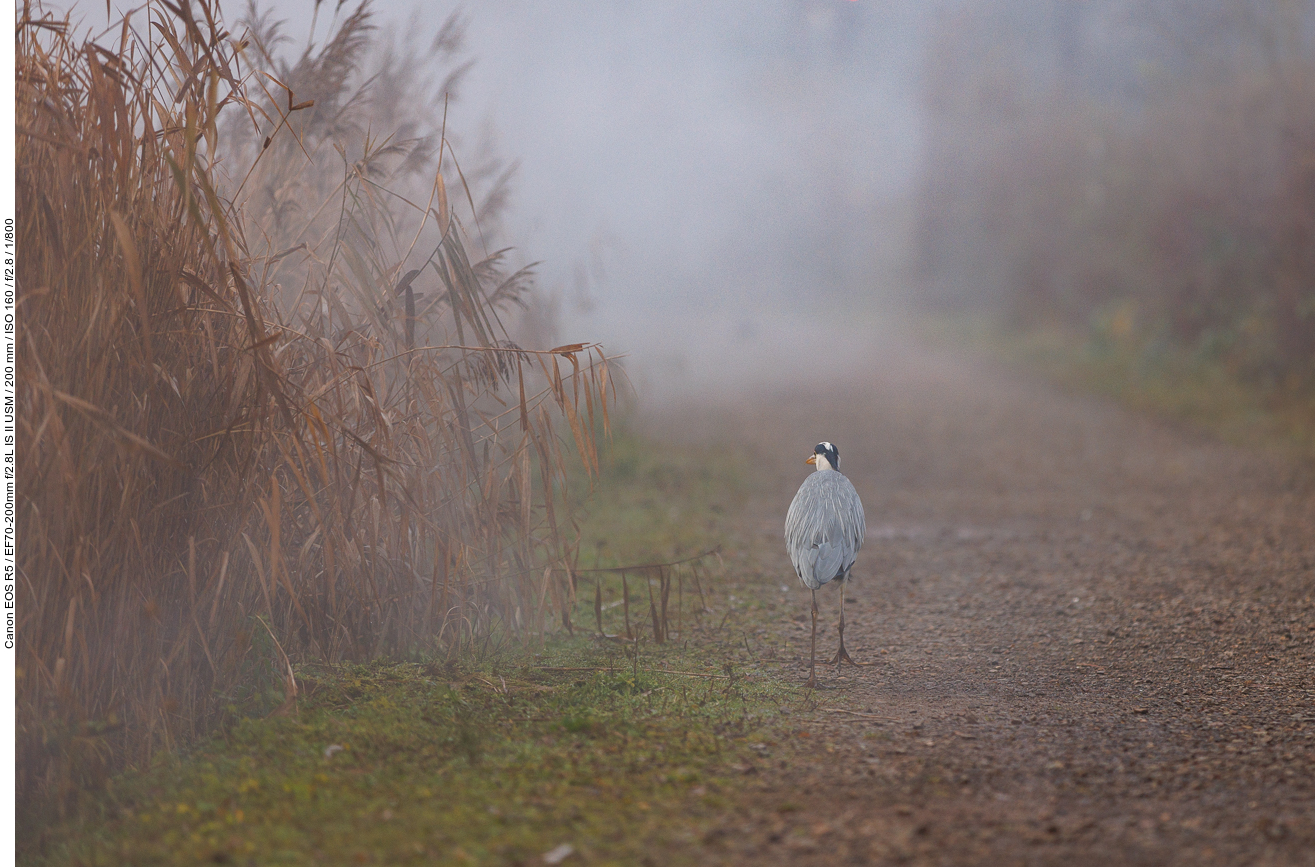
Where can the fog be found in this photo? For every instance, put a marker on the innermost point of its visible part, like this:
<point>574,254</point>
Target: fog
<point>732,191</point>
<point>702,184</point>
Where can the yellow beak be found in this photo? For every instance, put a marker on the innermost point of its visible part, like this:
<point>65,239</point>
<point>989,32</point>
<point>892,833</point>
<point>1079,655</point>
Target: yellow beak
<point>812,459</point>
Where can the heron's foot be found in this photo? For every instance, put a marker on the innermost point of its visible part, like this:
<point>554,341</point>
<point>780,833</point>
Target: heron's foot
<point>812,679</point>
<point>841,656</point>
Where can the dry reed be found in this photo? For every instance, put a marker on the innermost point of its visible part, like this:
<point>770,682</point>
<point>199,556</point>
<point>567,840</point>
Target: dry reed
<point>239,452</point>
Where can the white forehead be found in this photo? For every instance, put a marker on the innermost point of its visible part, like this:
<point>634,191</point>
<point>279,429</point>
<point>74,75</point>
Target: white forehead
<point>827,446</point>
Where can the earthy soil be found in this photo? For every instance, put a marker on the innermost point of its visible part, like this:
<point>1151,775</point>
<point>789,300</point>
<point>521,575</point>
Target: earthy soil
<point>1086,636</point>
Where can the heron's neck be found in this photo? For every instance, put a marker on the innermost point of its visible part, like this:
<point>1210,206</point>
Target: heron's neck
<point>822,464</point>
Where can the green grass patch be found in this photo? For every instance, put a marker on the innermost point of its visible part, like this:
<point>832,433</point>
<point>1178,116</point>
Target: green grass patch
<point>621,750</point>
<point>403,763</point>
<point>655,502</point>
<point>1153,376</point>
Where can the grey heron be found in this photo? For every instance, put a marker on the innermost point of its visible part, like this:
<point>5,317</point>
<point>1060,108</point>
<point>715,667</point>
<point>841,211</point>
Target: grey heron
<point>823,532</point>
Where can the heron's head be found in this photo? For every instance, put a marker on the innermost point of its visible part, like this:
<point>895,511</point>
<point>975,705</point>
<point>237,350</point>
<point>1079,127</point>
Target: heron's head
<point>825,457</point>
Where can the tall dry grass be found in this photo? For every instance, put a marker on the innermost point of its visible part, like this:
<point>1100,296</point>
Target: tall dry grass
<point>255,427</point>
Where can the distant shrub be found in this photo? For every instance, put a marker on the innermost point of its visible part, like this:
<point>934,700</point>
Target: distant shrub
<point>1066,184</point>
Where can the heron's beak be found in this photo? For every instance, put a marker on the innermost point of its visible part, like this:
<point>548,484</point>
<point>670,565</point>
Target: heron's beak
<point>812,459</point>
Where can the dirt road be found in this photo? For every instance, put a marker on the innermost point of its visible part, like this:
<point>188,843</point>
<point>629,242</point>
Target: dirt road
<point>1089,636</point>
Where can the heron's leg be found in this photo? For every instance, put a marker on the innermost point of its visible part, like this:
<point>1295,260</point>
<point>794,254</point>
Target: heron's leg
<point>841,654</point>
<point>812,648</point>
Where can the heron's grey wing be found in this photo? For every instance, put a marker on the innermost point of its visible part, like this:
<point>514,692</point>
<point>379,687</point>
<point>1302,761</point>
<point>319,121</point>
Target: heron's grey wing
<point>801,531</point>
<point>859,529</point>
<point>797,516</point>
<point>832,560</point>
<point>843,526</point>
<point>823,529</point>
<point>798,542</point>
<point>805,566</point>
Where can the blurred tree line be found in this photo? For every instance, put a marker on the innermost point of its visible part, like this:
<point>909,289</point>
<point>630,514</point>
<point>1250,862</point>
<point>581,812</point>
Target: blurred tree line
<point>1141,170</point>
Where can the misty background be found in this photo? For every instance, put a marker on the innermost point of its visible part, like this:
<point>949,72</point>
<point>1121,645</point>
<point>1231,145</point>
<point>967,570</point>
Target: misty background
<point>726,190</point>
<point>700,184</point>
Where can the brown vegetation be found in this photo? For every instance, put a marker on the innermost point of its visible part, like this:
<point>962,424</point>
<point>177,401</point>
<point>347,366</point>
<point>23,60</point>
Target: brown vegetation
<point>1142,172</point>
<point>246,435</point>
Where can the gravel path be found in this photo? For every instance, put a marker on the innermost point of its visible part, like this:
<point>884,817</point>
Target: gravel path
<point>1088,637</point>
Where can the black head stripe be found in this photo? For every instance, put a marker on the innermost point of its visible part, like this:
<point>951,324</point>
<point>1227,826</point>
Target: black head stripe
<point>832,453</point>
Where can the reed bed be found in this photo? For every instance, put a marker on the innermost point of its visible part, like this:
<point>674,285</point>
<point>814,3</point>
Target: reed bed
<point>268,406</point>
